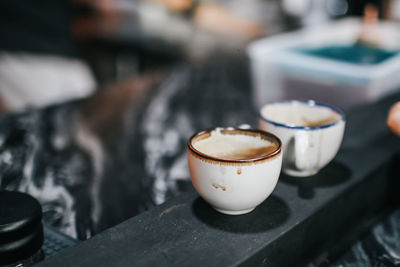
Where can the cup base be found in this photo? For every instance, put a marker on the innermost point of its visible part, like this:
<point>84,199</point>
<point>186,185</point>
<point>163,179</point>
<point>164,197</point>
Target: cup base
<point>296,173</point>
<point>234,212</point>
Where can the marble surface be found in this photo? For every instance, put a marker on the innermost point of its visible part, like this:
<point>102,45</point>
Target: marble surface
<point>94,163</point>
<point>379,247</point>
<point>97,162</point>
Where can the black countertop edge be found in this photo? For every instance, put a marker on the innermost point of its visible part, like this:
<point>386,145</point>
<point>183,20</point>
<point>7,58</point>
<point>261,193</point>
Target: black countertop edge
<point>186,231</point>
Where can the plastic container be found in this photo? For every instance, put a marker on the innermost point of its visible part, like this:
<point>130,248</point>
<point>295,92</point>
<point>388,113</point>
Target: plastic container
<point>280,71</point>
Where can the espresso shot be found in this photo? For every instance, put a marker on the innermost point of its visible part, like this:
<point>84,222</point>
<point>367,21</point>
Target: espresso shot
<point>311,133</point>
<point>234,146</point>
<point>234,170</point>
<point>301,114</point>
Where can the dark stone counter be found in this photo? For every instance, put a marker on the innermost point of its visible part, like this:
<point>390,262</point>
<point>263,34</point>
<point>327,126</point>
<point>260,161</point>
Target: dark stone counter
<point>98,162</point>
<point>95,163</point>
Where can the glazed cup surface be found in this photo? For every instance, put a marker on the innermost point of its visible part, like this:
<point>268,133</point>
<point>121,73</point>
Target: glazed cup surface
<point>234,186</point>
<point>306,149</point>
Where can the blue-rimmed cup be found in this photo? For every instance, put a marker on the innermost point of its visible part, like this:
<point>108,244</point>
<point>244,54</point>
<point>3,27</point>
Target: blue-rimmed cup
<point>311,133</point>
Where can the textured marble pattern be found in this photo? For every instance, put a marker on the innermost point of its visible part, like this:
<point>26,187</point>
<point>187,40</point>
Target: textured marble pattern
<point>94,163</point>
<point>40,155</point>
<point>380,247</point>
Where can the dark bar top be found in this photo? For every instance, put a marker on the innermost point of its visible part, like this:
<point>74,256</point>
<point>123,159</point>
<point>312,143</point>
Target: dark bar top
<point>299,221</point>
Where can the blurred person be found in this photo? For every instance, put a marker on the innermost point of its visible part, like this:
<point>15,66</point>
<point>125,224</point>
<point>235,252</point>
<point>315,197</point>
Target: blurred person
<point>40,63</point>
<point>393,119</point>
<point>357,7</point>
<point>39,60</point>
<point>217,17</point>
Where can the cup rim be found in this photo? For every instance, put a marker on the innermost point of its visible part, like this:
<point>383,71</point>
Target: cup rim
<point>235,161</point>
<point>308,102</point>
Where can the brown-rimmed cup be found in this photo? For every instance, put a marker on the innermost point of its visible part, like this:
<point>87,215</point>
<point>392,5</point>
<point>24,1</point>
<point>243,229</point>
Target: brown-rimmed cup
<point>234,170</point>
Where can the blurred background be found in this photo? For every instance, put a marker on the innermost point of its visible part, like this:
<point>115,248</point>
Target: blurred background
<point>55,51</point>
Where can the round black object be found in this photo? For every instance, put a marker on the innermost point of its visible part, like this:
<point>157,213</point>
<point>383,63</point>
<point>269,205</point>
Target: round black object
<point>21,229</point>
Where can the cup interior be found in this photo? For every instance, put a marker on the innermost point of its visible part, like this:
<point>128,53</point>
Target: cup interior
<point>301,114</point>
<point>233,145</point>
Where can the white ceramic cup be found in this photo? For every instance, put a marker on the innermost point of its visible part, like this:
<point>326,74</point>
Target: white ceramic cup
<point>311,133</point>
<point>234,186</point>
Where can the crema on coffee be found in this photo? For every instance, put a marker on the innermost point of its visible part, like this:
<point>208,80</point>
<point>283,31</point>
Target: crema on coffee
<point>235,146</point>
<point>300,114</point>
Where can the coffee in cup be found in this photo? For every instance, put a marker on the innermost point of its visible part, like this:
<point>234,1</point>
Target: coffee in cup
<point>234,146</point>
<point>311,133</point>
<point>232,169</point>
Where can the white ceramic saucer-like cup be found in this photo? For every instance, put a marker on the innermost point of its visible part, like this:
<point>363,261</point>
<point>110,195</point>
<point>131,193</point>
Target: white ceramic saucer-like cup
<point>234,186</point>
<point>306,148</point>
